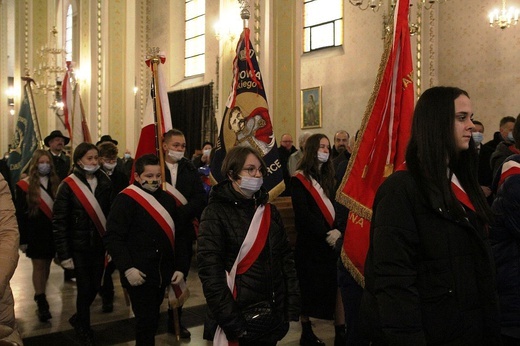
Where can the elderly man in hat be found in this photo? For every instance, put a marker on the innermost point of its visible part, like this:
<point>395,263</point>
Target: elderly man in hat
<point>56,142</point>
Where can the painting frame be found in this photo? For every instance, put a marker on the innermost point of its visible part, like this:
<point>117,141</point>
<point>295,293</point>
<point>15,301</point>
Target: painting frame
<point>311,114</point>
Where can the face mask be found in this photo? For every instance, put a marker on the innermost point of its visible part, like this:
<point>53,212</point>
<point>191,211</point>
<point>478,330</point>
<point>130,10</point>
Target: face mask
<point>127,156</point>
<point>250,185</point>
<point>44,168</point>
<point>510,137</point>
<point>6,157</point>
<point>175,155</point>
<point>151,185</point>
<point>90,168</point>
<point>323,157</point>
<point>109,166</point>
<point>206,152</point>
<point>477,137</point>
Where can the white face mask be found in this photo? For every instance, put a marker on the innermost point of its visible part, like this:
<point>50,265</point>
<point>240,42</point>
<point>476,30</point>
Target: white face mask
<point>206,152</point>
<point>250,185</point>
<point>510,137</point>
<point>44,168</point>
<point>323,157</point>
<point>175,155</point>
<point>109,166</point>
<point>478,137</point>
<point>90,168</point>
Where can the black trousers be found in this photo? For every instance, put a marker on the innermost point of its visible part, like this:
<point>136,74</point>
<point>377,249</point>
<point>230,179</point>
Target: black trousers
<point>351,293</point>
<point>89,269</point>
<point>146,303</point>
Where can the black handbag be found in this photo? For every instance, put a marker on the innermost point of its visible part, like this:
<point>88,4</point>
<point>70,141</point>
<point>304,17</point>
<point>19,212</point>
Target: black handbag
<point>263,323</point>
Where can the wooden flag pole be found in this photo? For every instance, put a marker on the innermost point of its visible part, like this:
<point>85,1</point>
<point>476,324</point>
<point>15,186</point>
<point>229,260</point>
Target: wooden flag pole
<point>157,112</point>
<point>28,80</point>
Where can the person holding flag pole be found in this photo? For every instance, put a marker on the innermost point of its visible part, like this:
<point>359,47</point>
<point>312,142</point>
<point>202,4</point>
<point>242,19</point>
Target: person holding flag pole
<point>144,236</point>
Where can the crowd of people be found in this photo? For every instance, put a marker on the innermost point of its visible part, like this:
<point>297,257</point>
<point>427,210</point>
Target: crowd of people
<point>442,266</point>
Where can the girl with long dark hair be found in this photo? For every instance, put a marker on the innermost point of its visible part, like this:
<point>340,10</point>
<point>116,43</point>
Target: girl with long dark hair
<point>34,200</point>
<point>429,273</point>
<point>312,193</point>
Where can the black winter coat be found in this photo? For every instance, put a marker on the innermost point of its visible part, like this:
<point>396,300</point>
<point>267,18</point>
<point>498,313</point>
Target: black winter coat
<point>135,239</point>
<point>189,184</point>
<point>505,242</point>
<point>223,228</point>
<point>35,230</point>
<point>429,278</point>
<point>73,229</point>
<point>315,258</point>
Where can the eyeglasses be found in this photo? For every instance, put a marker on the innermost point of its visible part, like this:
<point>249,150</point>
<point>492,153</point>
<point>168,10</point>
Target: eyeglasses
<point>179,145</point>
<point>252,170</point>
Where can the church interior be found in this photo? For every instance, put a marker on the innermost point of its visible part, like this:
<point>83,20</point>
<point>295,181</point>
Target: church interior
<point>453,43</point>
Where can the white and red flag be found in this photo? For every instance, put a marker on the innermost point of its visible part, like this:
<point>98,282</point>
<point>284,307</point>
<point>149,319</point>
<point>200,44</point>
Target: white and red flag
<point>148,140</point>
<point>381,147</point>
<point>73,112</point>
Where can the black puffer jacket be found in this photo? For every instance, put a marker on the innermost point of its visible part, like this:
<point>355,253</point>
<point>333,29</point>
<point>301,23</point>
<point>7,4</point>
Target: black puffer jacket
<point>223,228</point>
<point>73,229</point>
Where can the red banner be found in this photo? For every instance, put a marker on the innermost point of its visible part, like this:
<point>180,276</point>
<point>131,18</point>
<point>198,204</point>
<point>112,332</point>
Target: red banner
<point>382,142</point>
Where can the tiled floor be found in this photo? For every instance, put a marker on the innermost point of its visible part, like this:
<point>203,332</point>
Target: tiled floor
<point>114,328</point>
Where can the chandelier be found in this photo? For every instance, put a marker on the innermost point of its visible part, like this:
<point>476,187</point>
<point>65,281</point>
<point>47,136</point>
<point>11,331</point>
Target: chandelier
<point>49,71</point>
<point>503,18</point>
<point>374,5</point>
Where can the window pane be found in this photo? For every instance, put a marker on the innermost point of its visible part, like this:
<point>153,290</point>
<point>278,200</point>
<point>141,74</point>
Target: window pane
<point>194,65</point>
<point>195,8</point>
<point>322,36</point>
<point>195,27</point>
<point>195,46</point>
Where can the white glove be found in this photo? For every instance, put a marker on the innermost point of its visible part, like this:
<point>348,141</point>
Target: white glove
<point>177,277</point>
<point>68,263</point>
<point>23,248</point>
<point>134,276</point>
<point>332,236</point>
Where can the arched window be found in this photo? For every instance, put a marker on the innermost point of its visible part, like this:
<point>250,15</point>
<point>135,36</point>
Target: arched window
<point>195,40</point>
<point>322,24</point>
<point>68,34</point>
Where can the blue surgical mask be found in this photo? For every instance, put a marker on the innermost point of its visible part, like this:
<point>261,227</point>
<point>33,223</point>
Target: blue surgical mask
<point>44,168</point>
<point>127,156</point>
<point>478,137</point>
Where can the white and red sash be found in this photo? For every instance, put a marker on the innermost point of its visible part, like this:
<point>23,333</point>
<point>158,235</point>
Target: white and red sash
<point>459,192</point>
<point>316,191</point>
<point>253,244</point>
<point>46,201</point>
<point>179,197</point>
<point>155,209</point>
<point>180,200</point>
<point>88,201</point>
<point>509,168</point>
